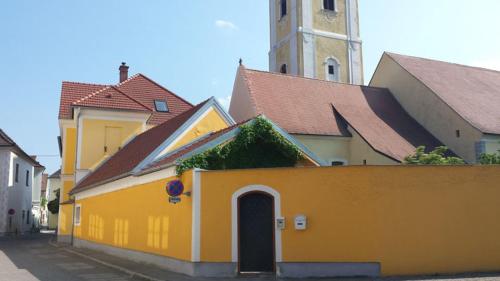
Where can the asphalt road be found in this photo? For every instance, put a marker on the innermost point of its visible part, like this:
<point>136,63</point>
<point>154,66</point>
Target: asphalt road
<point>32,258</point>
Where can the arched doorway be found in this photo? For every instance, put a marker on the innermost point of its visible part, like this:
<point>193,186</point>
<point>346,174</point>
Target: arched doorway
<point>256,245</point>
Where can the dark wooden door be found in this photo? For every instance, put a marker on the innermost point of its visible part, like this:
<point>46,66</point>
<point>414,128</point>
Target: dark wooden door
<point>256,233</point>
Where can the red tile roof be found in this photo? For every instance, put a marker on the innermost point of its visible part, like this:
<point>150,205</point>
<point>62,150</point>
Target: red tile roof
<point>472,92</point>
<point>110,97</point>
<point>136,93</point>
<point>125,160</point>
<point>304,106</point>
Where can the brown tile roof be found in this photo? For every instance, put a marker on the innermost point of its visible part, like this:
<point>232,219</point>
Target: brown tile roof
<point>472,92</point>
<point>306,106</point>
<point>136,93</point>
<point>381,121</point>
<point>125,160</point>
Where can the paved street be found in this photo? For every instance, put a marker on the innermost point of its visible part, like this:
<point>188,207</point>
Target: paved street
<point>32,258</point>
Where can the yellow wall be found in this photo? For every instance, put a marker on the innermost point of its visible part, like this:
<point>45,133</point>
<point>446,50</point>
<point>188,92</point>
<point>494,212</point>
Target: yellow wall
<point>360,151</point>
<point>93,138</point>
<point>69,152</point>
<point>139,218</point>
<point>65,219</point>
<point>67,186</point>
<point>212,122</point>
<point>410,219</point>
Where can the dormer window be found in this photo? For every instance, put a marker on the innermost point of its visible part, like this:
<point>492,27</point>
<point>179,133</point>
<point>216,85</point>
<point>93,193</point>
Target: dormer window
<point>329,5</point>
<point>161,106</point>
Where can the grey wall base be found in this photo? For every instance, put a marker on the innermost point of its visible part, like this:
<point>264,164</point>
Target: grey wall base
<point>328,269</point>
<point>171,264</point>
<point>64,239</point>
<point>230,269</point>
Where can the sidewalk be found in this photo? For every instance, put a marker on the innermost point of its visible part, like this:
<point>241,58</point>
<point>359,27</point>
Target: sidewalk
<point>135,269</point>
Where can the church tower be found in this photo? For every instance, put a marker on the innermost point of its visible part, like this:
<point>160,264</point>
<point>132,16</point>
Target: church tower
<point>316,39</point>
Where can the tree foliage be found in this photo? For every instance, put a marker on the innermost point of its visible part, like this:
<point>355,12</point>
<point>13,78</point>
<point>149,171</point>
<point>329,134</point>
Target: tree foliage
<point>257,145</point>
<point>53,205</point>
<point>490,159</point>
<point>435,157</point>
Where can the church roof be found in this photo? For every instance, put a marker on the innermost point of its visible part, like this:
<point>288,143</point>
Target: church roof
<point>317,107</point>
<point>138,93</point>
<point>472,92</point>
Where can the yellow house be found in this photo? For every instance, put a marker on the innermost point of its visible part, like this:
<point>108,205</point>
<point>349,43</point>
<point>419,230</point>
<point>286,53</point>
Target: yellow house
<point>96,121</point>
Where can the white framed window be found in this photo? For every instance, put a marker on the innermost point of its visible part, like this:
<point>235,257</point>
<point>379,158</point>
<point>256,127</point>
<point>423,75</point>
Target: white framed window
<point>332,69</point>
<point>78,214</point>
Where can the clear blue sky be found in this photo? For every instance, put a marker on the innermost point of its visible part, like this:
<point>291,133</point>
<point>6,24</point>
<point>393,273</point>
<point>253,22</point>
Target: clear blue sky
<point>192,48</point>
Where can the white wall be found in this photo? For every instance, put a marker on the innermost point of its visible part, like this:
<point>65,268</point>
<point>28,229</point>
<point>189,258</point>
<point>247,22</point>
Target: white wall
<point>19,195</point>
<point>4,181</point>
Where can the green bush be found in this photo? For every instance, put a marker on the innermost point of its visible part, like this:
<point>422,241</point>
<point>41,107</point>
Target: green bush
<point>257,145</point>
<point>435,157</point>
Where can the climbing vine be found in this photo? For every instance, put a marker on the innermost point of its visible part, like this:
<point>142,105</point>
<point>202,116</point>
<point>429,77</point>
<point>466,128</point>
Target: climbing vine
<point>257,145</point>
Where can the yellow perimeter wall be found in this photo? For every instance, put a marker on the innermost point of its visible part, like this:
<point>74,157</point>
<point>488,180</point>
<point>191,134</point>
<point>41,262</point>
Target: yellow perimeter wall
<point>412,220</point>
<point>139,218</point>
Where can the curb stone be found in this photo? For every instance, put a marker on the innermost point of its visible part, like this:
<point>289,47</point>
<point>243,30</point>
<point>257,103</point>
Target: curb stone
<point>113,266</point>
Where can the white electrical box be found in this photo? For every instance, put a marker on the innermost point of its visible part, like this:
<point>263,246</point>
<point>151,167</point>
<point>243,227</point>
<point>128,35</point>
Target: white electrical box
<point>300,222</point>
<point>280,223</point>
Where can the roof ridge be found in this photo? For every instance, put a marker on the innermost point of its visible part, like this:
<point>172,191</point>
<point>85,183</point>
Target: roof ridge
<point>127,80</point>
<point>172,93</point>
<point>85,83</point>
<point>91,95</point>
<point>442,61</point>
<point>302,77</point>
<point>138,102</point>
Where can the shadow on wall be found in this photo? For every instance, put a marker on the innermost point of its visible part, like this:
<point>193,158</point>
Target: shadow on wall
<point>158,228</point>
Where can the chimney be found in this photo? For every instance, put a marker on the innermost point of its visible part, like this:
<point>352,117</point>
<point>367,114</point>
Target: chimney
<point>123,72</point>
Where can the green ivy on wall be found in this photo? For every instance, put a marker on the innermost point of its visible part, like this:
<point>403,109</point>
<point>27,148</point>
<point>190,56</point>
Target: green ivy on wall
<point>257,145</point>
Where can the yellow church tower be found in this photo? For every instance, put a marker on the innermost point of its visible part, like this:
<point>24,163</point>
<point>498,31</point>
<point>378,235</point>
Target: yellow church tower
<point>316,39</point>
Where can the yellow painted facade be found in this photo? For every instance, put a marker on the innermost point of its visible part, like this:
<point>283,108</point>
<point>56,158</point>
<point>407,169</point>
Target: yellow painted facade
<point>410,219</point>
<point>65,219</point>
<point>139,218</point>
<point>211,122</point>
<point>69,152</point>
<point>101,138</point>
